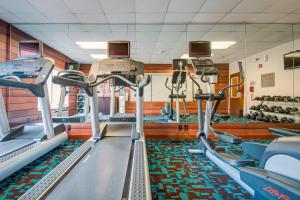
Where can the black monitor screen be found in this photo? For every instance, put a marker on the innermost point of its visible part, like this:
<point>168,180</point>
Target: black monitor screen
<point>292,60</point>
<point>119,49</point>
<point>199,49</point>
<point>29,49</point>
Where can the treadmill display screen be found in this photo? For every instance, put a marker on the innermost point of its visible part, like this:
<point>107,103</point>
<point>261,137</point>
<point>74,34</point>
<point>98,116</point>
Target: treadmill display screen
<point>199,49</point>
<point>29,49</point>
<point>119,49</point>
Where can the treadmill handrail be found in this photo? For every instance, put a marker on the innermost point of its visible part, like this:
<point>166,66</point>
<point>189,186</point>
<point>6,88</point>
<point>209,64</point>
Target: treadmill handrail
<point>36,89</point>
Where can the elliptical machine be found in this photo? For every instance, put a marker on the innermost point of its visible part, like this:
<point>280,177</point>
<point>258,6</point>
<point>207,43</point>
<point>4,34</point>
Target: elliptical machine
<point>179,73</point>
<point>270,179</point>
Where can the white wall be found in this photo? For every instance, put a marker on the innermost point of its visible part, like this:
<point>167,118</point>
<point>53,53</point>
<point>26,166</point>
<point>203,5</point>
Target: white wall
<point>157,92</point>
<point>285,80</point>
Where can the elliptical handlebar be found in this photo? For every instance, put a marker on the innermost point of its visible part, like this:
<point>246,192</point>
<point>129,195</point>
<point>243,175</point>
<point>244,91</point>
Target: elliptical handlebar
<point>166,84</point>
<point>241,79</point>
<point>196,83</point>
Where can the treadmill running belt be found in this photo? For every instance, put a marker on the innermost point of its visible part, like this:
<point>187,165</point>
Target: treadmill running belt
<point>99,175</point>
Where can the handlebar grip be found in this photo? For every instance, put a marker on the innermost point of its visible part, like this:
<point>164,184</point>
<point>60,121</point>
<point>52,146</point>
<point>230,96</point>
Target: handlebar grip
<point>69,82</point>
<point>144,82</point>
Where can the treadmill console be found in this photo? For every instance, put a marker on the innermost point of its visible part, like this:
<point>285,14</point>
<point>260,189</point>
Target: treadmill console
<point>37,68</point>
<point>206,66</point>
<point>127,68</point>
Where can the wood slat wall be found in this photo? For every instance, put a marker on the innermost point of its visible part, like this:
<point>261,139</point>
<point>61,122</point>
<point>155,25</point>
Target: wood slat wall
<point>21,105</point>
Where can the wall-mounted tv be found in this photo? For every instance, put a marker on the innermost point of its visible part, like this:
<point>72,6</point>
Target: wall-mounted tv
<point>119,49</point>
<point>30,48</point>
<point>291,60</point>
<point>199,49</point>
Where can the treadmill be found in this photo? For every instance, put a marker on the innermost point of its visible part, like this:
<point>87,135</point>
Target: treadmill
<point>78,118</point>
<point>23,144</point>
<point>113,163</point>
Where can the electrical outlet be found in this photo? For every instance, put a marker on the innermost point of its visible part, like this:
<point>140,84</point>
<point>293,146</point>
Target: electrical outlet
<point>186,127</point>
<point>180,127</point>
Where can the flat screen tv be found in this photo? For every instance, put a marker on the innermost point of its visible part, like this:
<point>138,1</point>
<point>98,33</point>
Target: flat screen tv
<point>119,49</point>
<point>291,60</point>
<point>30,48</point>
<point>199,49</point>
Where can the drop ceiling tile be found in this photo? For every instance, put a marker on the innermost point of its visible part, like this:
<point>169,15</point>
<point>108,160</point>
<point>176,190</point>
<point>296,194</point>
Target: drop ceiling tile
<point>88,27</point>
<point>53,6</point>
<point>147,27</point>
<point>238,17</point>
<point>149,17</point>
<point>291,18</point>
<point>119,27</point>
<point>200,27</point>
<point>267,17</point>
<point>86,6</point>
<point>277,27</point>
<point>18,6</point>
<point>208,17</point>
<point>32,18</point>
<point>215,36</point>
<point>179,17</point>
<point>219,6</point>
<point>117,6</point>
<point>91,18</point>
<point>229,27</point>
<point>183,6</point>
<point>145,45</point>
<point>62,18</point>
<point>254,5</point>
<point>146,36</point>
<point>195,35</point>
<point>120,18</point>
<point>170,27</point>
<point>170,36</point>
<point>153,6</point>
<point>10,18</point>
<point>284,6</point>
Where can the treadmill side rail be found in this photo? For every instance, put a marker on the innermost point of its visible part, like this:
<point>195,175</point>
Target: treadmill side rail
<point>139,183</point>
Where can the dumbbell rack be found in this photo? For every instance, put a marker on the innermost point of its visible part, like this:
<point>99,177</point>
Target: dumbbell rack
<point>283,104</point>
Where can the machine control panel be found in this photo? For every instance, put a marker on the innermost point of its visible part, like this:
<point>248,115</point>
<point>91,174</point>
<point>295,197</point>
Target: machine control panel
<point>37,68</point>
<point>128,68</point>
<point>206,65</point>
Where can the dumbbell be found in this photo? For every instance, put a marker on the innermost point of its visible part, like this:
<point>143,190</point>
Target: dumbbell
<point>290,120</point>
<point>295,109</point>
<point>266,108</point>
<point>283,120</point>
<point>267,98</point>
<point>256,98</point>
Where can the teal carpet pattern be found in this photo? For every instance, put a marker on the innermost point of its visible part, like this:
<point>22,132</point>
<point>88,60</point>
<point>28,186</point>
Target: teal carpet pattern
<point>176,174</point>
<point>18,183</point>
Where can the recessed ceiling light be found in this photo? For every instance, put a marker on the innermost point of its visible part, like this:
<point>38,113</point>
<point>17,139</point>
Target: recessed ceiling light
<point>222,44</point>
<point>92,45</point>
<point>98,56</point>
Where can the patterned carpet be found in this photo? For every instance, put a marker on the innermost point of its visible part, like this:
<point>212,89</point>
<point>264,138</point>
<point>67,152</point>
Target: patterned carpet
<point>176,174</point>
<point>18,183</point>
